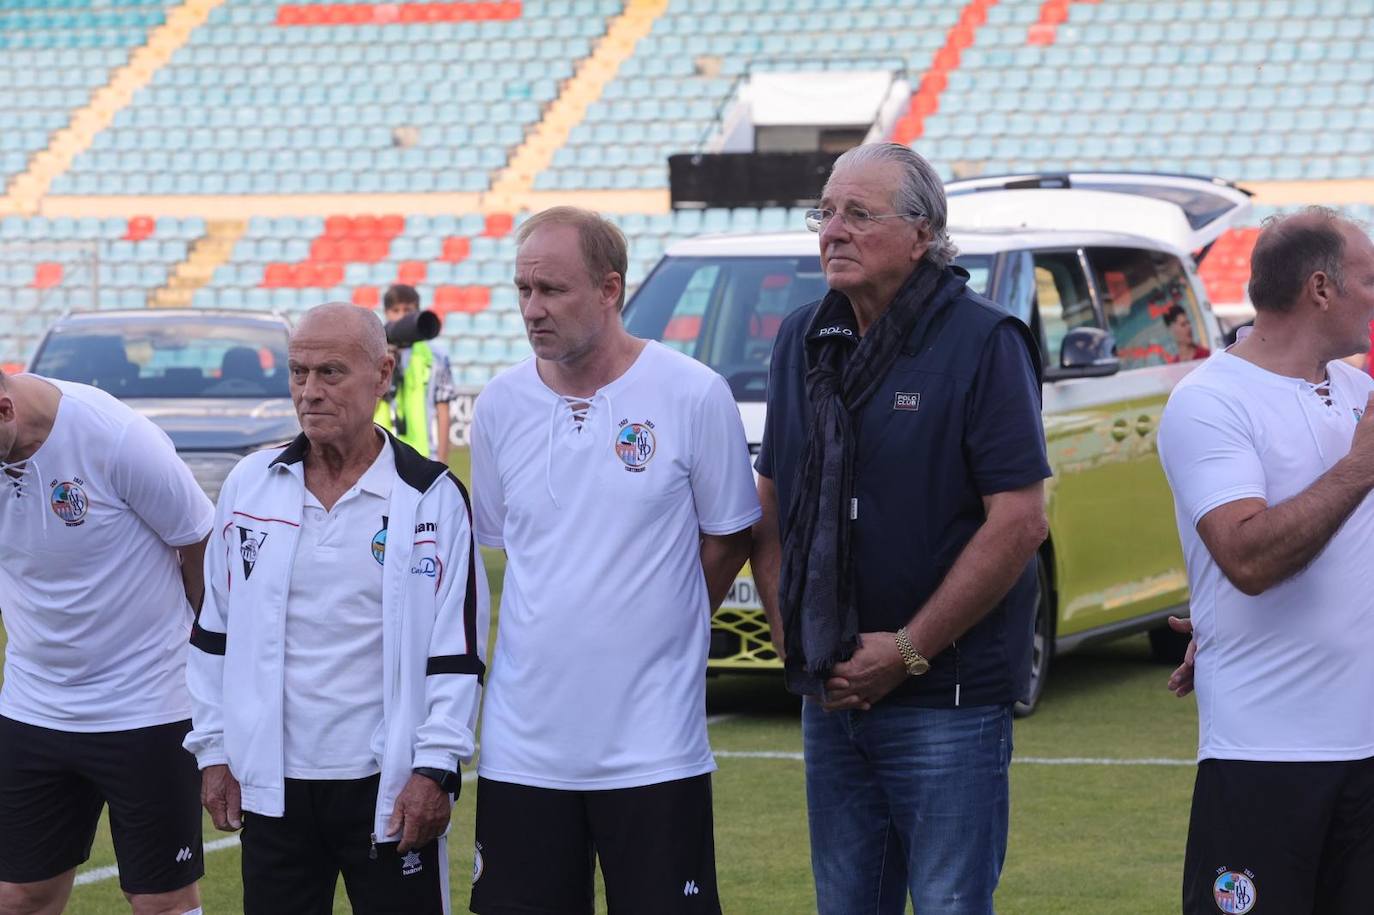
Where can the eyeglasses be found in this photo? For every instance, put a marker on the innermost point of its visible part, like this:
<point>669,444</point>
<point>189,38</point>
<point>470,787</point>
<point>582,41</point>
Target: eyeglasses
<point>856,218</point>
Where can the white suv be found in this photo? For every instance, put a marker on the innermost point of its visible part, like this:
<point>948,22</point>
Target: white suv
<point>1102,267</point>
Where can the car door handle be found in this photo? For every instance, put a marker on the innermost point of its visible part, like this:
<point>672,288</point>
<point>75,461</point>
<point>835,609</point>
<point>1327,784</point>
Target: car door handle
<point>1120,429</point>
<point>1144,424</point>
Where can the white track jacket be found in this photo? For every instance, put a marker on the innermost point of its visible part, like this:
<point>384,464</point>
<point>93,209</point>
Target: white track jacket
<point>434,630</point>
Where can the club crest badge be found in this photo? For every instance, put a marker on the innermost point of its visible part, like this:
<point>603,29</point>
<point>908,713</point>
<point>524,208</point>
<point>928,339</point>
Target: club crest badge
<point>69,502</point>
<point>379,545</point>
<point>1234,891</point>
<point>477,863</point>
<point>250,544</point>
<point>635,445</point>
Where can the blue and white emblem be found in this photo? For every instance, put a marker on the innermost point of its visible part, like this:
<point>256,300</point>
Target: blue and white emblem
<point>69,502</point>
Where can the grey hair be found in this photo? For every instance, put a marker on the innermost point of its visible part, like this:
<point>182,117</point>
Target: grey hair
<point>1291,248</point>
<point>921,191</point>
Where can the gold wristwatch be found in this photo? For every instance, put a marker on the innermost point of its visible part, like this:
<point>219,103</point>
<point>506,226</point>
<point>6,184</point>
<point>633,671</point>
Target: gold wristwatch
<point>916,663</point>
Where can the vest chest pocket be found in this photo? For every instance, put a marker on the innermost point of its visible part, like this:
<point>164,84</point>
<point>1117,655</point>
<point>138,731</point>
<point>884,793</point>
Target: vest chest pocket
<point>915,417</point>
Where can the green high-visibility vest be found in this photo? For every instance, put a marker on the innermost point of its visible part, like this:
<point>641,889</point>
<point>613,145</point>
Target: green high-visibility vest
<point>411,403</point>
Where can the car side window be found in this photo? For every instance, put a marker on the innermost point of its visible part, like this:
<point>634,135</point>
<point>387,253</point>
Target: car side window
<point>1183,317</point>
<point>1062,299</point>
<point>1136,302</point>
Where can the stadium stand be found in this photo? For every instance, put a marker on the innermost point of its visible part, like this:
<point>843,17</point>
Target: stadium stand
<point>505,105</point>
<point>269,99</point>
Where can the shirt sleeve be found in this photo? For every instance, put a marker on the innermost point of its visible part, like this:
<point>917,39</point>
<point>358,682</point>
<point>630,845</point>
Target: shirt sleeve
<point>763,463</point>
<point>441,381</point>
<point>1005,434</point>
<point>722,484</point>
<point>147,474</point>
<point>1208,452</point>
<point>488,497</point>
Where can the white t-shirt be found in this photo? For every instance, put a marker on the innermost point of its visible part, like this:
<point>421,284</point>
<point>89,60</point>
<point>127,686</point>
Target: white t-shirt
<point>90,583</point>
<point>599,675</point>
<point>332,689</point>
<point>1287,676</point>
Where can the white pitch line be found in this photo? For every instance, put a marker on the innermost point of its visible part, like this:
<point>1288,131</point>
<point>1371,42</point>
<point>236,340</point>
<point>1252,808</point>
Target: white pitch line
<point>97,874</point>
<point>717,719</point>
<point>1023,760</point>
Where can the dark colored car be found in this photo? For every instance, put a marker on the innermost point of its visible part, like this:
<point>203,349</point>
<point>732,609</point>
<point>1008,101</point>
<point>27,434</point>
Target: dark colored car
<point>214,381</point>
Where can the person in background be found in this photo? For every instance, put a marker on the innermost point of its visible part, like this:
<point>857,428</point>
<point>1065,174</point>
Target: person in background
<point>1186,346</point>
<point>416,410</point>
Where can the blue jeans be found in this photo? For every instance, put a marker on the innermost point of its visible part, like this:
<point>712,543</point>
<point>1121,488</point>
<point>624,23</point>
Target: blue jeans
<point>904,800</point>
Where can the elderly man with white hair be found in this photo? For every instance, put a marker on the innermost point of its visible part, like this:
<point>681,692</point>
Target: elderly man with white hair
<point>339,652</point>
<point>901,477</point>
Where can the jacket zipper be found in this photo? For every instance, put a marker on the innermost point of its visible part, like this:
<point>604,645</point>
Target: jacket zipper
<point>372,852</point>
<point>955,645</point>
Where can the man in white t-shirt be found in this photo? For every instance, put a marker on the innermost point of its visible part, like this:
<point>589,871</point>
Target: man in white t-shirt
<point>1269,449</point>
<point>104,534</point>
<point>338,659</point>
<point>615,474</point>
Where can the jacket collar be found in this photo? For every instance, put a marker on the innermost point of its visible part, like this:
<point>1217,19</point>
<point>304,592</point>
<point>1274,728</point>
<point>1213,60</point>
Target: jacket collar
<point>414,470</point>
<point>843,326</point>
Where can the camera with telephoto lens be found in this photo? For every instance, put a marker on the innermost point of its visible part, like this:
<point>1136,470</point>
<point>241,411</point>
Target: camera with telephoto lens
<point>404,333</point>
<point>414,327</point>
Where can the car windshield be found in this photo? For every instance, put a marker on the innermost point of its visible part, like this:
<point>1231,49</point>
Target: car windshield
<point>725,311</point>
<point>199,357</point>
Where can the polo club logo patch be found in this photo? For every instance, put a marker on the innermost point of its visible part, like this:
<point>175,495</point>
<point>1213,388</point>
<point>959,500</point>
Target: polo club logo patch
<point>909,402</point>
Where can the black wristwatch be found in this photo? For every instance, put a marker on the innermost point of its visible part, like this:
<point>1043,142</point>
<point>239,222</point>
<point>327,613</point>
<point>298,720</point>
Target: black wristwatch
<point>449,781</point>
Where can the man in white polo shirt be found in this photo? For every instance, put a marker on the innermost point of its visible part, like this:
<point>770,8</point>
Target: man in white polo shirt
<point>615,474</point>
<point>1269,449</point>
<point>339,653</point>
<point>95,507</point>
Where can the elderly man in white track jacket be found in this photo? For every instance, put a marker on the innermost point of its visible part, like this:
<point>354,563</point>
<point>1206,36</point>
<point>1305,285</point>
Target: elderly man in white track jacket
<point>275,552</point>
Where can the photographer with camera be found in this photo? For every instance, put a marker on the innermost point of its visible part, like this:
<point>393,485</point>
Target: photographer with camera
<point>415,408</point>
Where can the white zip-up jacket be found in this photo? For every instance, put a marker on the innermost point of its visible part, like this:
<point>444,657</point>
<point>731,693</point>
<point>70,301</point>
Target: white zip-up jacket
<point>434,628</point>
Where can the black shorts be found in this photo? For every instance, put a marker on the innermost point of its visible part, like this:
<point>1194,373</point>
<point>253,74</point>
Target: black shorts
<point>54,783</point>
<point>291,864</point>
<point>536,849</point>
<point>1278,838</point>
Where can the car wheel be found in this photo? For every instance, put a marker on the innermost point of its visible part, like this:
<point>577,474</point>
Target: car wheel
<point>1167,646</point>
<point>1042,641</point>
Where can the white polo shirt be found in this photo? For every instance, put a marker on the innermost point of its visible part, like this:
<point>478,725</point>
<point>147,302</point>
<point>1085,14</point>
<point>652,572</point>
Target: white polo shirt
<point>598,679</point>
<point>1287,676</point>
<point>332,683</point>
<point>93,604</point>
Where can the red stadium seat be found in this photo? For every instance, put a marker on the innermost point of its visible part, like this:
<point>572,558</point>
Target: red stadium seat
<point>391,225</point>
<point>326,249</point>
<point>498,224</point>
<point>329,275</point>
<point>412,273</point>
<point>338,227</point>
<point>290,15</point>
<point>364,227</point>
<point>374,250</point>
<point>140,227</point>
<point>47,275</point>
<point>477,298</point>
<point>961,36</point>
<point>350,251</point>
<point>366,297</point>
<point>456,248</point>
<point>946,58</point>
<point>277,276</point>
<point>1040,34</point>
<point>445,299</point>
